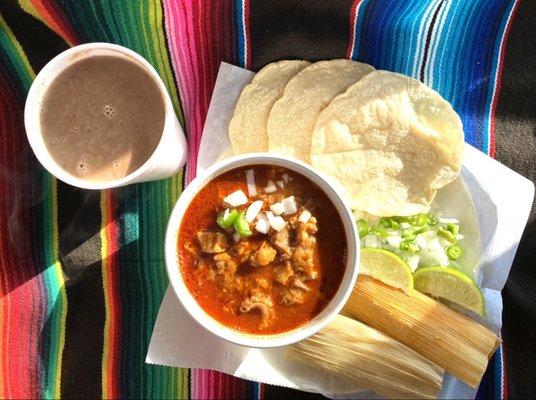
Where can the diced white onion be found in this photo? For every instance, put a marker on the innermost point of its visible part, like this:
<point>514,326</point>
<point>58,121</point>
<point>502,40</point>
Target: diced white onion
<point>434,254</point>
<point>236,199</point>
<point>277,223</point>
<point>405,225</point>
<point>262,224</point>
<point>270,187</point>
<point>286,178</point>
<point>305,216</point>
<point>277,208</point>
<point>443,260</point>
<point>253,210</point>
<point>236,237</point>
<point>250,180</point>
<point>387,247</point>
<point>448,220</point>
<point>413,262</point>
<point>434,245</point>
<point>427,258</point>
<point>290,205</point>
<point>372,241</point>
<point>280,184</point>
<point>428,235</point>
<point>394,241</point>
<point>459,237</point>
<point>421,241</point>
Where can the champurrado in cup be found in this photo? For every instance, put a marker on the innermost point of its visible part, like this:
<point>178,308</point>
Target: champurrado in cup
<point>262,249</point>
<point>102,117</point>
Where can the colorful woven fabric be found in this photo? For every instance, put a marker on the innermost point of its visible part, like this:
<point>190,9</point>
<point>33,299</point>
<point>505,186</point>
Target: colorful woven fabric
<point>82,273</point>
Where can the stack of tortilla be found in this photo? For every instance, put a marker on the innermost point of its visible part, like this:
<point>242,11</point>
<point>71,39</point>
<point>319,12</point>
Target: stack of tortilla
<point>389,140</point>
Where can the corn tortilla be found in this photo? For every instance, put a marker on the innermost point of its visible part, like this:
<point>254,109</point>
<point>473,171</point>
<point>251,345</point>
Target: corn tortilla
<point>247,128</point>
<point>391,141</point>
<point>292,118</point>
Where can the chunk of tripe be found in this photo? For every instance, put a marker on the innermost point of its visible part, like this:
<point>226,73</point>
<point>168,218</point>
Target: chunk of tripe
<point>264,255</point>
<point>283,273</point>
<point>212,242</point>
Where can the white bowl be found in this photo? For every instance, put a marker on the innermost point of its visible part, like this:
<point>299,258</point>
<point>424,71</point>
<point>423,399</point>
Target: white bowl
<point>232,335</point>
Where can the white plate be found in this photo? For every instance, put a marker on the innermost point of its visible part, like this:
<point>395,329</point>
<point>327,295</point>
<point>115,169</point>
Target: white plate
<point>502,201</point>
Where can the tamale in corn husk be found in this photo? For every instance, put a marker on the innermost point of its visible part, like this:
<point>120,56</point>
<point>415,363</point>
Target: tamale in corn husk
<point>451,340</point>
<point>370,359</point>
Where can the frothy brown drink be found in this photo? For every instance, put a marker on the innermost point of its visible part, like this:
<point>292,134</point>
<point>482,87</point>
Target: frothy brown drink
<point>102,117</point>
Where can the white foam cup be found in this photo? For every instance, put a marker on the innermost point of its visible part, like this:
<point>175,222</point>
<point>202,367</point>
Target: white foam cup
<point>170,153</point>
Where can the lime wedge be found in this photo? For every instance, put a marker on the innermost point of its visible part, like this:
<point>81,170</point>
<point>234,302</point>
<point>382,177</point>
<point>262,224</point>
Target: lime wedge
<point>450,284</point>
<point>386,267</point>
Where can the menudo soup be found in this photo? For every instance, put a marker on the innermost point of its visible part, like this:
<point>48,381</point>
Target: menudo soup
<point>262,249</point>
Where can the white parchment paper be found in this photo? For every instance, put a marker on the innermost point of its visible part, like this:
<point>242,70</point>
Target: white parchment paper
<point>502,200</point>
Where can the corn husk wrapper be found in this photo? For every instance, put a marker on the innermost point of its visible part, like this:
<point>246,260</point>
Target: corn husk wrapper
<point>451,340</point>
<point>369,358</point>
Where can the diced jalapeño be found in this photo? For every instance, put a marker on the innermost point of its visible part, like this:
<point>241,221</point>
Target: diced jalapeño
<point>418,220</point>
<point>409,246</point>
<point>447,234</point>
<point>241,225</point>
<point>363,228</point>
<point>454,252</point>
<point>453,228</point>
<point>227,218</point>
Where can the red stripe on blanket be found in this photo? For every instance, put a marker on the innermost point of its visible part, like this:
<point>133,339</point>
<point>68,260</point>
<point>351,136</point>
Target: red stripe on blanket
<point>201,36</point>
<point>22,296</point>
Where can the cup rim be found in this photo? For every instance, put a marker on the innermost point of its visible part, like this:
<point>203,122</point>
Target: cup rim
<point>204,319</point>
<point>32,116</point>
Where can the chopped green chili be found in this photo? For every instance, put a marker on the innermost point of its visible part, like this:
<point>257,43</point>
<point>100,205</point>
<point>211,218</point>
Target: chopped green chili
<point>384,223</point>
<point>432,220</point>
<point>453,228</point>
<point>408,246</point>
<point>418,220</point>
<point>389,222</point>
<point>379,231</point>
<point>454,252</point>
<point>444,233</point>
<point>414,231</point>
<point>363,227</point>
<point>227,218</point>
<point>241,225</point>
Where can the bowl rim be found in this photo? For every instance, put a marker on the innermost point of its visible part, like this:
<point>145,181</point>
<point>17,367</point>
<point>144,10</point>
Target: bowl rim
<point>180,290</point>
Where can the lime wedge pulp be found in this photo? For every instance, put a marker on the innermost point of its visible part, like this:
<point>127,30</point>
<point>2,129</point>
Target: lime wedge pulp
<point>386,267</point>
<point>450,284</point>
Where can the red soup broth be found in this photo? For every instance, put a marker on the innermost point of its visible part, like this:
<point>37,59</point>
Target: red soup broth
<point>221,296</point>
